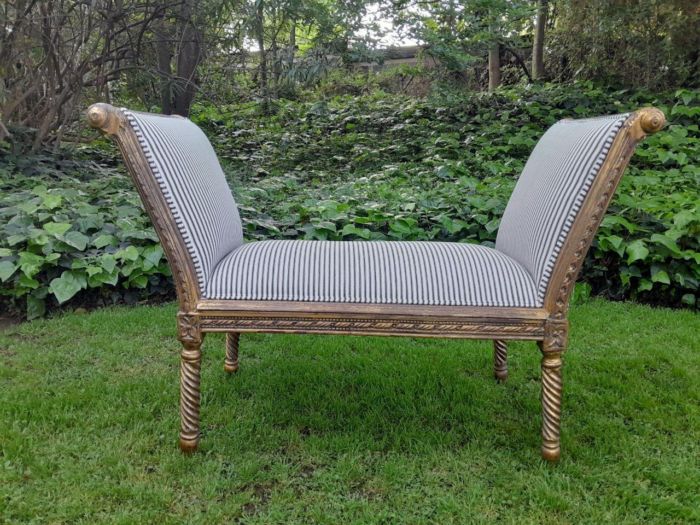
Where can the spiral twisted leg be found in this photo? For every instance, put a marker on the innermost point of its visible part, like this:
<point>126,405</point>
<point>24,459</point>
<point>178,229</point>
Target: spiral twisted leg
<point>231,360</point>
<point>551,405</point>
<point>190,364</point>
<point>552,347</point>
<point>500,360</point>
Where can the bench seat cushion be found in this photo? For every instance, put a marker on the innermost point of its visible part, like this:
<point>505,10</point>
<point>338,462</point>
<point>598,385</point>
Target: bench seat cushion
<point>418,273</point>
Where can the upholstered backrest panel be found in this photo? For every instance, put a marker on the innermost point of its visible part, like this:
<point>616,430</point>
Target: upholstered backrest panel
<point>551,190</point>
<point>190,177</point>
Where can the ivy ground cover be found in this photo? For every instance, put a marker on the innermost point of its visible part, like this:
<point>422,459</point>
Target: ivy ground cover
<point>378,166</point>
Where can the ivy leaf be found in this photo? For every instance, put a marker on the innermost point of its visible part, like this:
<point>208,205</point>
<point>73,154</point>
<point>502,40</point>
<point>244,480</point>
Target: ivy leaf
<point>659,276</point>
<point>76,239</point>
<point>101,278</point>
<point>103,240</point>
<point>685,217</point>
<point>128,254</point>
<point>140,281</point>
<point>28,282</point>
<point>688,299</point>
<point>645,285</point>
<point>36,307</point>
<point>443,172</point>
<point>667,242</point>
<point>51,201</point>
<point>28,207</point>
<point>57,228</point>
<point>615,220</point>
<point>16,239</point>
<point>67,285</point>
<point>108,262</point>
<point>492,225</point>
<point>325,225</point>
<point>152,255</point>
<point>6,270</point>
<point>637,251</point>
<point>351,229</point>
<point>93,270</point>
<point>30,263</point>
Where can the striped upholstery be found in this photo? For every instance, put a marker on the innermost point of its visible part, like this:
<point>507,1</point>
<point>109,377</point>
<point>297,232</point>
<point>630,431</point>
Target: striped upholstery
<point>550,192</point>
<point>541,211</point>
<point>190,177</point>
<point>423,273</point>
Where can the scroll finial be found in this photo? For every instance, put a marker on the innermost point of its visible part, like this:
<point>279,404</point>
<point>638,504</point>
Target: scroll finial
<point>104,117</point>
<point>651,120</point>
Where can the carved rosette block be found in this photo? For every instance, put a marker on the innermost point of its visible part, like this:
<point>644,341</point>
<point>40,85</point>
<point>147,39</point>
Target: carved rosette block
<point>189,330</point>
<point>556,334</point>
<point>500,360</point>
<point>552,347</point>
<point>190,336</point>
<point>231,360</point>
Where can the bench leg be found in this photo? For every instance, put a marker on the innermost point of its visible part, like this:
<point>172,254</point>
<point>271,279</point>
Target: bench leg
<point>191,337</point>
<point>231,360</point>
<point>552,351</point>
<point>190,365</point>
<point>500,360</point>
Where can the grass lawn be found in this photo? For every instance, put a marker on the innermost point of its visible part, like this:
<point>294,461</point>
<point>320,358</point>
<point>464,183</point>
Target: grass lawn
<point>321,429</point>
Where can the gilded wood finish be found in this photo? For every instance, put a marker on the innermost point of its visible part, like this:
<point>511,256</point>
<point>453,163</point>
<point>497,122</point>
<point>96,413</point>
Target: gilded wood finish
<point>500,360</point>
<point>231,359</point>
<point>190,335</point>
<point>547,325</point>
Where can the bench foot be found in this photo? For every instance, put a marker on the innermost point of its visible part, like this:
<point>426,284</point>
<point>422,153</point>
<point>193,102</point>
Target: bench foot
<point>551,452</point>
<point>500,360</point>
<point>231,359</point>
<point>189,446</point>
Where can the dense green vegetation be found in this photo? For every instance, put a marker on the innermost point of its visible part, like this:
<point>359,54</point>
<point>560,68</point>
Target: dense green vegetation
<point>358,167</point>
<point>321,429</point>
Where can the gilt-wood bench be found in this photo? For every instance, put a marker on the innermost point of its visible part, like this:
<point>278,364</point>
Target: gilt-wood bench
<point>518,290</point>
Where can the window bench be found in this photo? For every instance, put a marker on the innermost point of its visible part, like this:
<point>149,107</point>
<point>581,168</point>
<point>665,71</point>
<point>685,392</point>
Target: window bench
<point>518,290</point>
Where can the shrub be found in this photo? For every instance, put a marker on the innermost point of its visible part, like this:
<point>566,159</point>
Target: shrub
<point>68,225</point>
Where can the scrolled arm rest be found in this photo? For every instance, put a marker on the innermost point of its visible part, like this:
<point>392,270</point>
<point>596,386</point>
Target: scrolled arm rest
<point>651,120</point>
<point>105,118</point>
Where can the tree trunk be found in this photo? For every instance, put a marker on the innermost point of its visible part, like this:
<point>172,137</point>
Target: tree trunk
<point>274,59</point>
<point>260,36</point>
<point>164,55</point>
<point>494,66</point>
<point>538,44</point>
<point>188,58</point>
<point>292,44</point>
<point>4,133</point>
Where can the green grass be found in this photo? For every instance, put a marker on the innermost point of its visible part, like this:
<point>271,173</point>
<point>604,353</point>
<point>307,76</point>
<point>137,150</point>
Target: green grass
<point>320,429</point>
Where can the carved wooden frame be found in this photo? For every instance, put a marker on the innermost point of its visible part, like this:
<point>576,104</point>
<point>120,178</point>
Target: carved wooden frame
<point>547,325</point>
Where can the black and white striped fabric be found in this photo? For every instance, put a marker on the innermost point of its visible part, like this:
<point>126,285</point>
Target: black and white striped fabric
<point>394,272</point>
<point>536,222</point>
<point>190,177</point>
<point>550,192</point>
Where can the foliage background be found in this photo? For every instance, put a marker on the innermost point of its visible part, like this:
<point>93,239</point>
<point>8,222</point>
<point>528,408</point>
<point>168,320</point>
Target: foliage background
<point>375,166</point>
